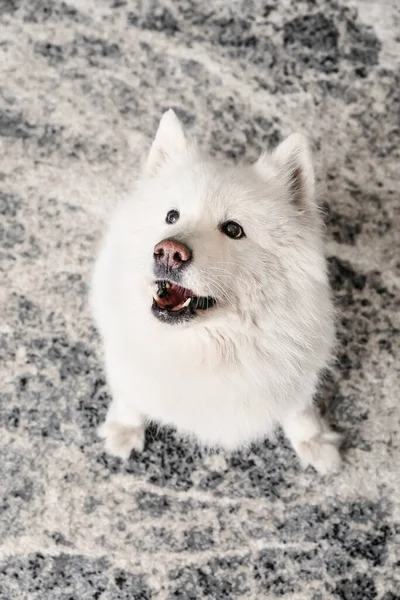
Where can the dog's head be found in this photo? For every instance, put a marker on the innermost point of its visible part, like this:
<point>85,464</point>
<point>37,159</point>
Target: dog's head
<point>214,239</point>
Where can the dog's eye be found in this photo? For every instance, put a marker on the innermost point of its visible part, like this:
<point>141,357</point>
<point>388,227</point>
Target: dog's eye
<point>172,216</point>
<point>232,230</point>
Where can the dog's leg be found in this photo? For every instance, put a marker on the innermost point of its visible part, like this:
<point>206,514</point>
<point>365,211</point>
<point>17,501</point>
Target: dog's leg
<point>122,435</point>
<point>123,429</point>
<point>315,443</point>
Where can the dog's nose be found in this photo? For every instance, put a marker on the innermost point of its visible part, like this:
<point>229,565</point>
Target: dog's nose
<point>172,254</point>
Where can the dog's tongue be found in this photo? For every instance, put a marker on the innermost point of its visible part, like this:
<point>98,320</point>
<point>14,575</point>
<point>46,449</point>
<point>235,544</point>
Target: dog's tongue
<point>174,297</point>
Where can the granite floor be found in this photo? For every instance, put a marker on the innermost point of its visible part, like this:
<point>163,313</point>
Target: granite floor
<point>82,86</point>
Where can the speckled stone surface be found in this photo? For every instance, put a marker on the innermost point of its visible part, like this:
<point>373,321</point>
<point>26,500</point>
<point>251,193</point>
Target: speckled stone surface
<point>82,86</point>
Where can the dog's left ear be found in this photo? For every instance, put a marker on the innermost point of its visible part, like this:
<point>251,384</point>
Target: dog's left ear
<point>293,160</point>
<point>170,143</point>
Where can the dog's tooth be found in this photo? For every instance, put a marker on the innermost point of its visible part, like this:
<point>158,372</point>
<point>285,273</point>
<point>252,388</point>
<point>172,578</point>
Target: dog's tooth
<point>186,303</point>
<point>167,285</point>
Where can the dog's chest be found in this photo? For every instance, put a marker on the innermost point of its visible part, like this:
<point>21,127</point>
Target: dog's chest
<point>220,408</point>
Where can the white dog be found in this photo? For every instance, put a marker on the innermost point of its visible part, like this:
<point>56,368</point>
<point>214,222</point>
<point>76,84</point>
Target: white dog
<point>212,298</point>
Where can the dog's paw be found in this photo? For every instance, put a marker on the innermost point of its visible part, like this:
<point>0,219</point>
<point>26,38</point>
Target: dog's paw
<point>120,440</point>
<point>322,452</point>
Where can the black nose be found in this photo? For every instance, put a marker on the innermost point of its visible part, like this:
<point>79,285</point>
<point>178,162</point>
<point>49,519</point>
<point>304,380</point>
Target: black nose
<point>172,254</point>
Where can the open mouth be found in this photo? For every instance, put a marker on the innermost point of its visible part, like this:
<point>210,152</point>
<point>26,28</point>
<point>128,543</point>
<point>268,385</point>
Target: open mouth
<point>173,303</point>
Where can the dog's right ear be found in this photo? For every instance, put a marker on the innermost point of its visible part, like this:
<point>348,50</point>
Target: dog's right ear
<point>170,143</point>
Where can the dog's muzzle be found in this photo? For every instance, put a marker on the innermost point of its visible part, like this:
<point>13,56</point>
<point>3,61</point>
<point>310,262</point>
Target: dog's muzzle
<point>173,303</point>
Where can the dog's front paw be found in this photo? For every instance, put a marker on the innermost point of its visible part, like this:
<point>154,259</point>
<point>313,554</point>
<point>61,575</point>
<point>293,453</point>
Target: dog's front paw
<point>120,439</point>
<point>321,452</point>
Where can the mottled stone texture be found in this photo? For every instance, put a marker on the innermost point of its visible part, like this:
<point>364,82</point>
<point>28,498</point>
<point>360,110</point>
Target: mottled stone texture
<point>82,86</point>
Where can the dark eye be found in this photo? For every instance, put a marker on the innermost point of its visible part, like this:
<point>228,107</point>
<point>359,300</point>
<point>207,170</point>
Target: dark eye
<point>172,216</point>
<point>232,230</point>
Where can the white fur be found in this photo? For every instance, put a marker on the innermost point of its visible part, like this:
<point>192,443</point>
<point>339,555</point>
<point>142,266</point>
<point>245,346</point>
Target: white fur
<point>251,363</point>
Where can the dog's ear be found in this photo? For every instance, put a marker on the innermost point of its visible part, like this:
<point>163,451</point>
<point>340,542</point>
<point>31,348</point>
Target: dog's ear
<point>293,160</point>
<point>170,143</point>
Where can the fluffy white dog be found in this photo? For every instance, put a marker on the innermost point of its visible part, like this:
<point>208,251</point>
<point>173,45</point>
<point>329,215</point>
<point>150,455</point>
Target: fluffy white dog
<point>212,298</point>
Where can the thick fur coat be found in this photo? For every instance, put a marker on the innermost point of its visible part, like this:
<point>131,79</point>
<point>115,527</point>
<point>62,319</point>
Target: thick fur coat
<point>229,374</point>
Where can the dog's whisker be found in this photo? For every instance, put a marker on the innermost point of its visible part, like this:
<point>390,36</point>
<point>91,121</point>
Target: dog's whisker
<point>224,293</point>
<point>237,277</point>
